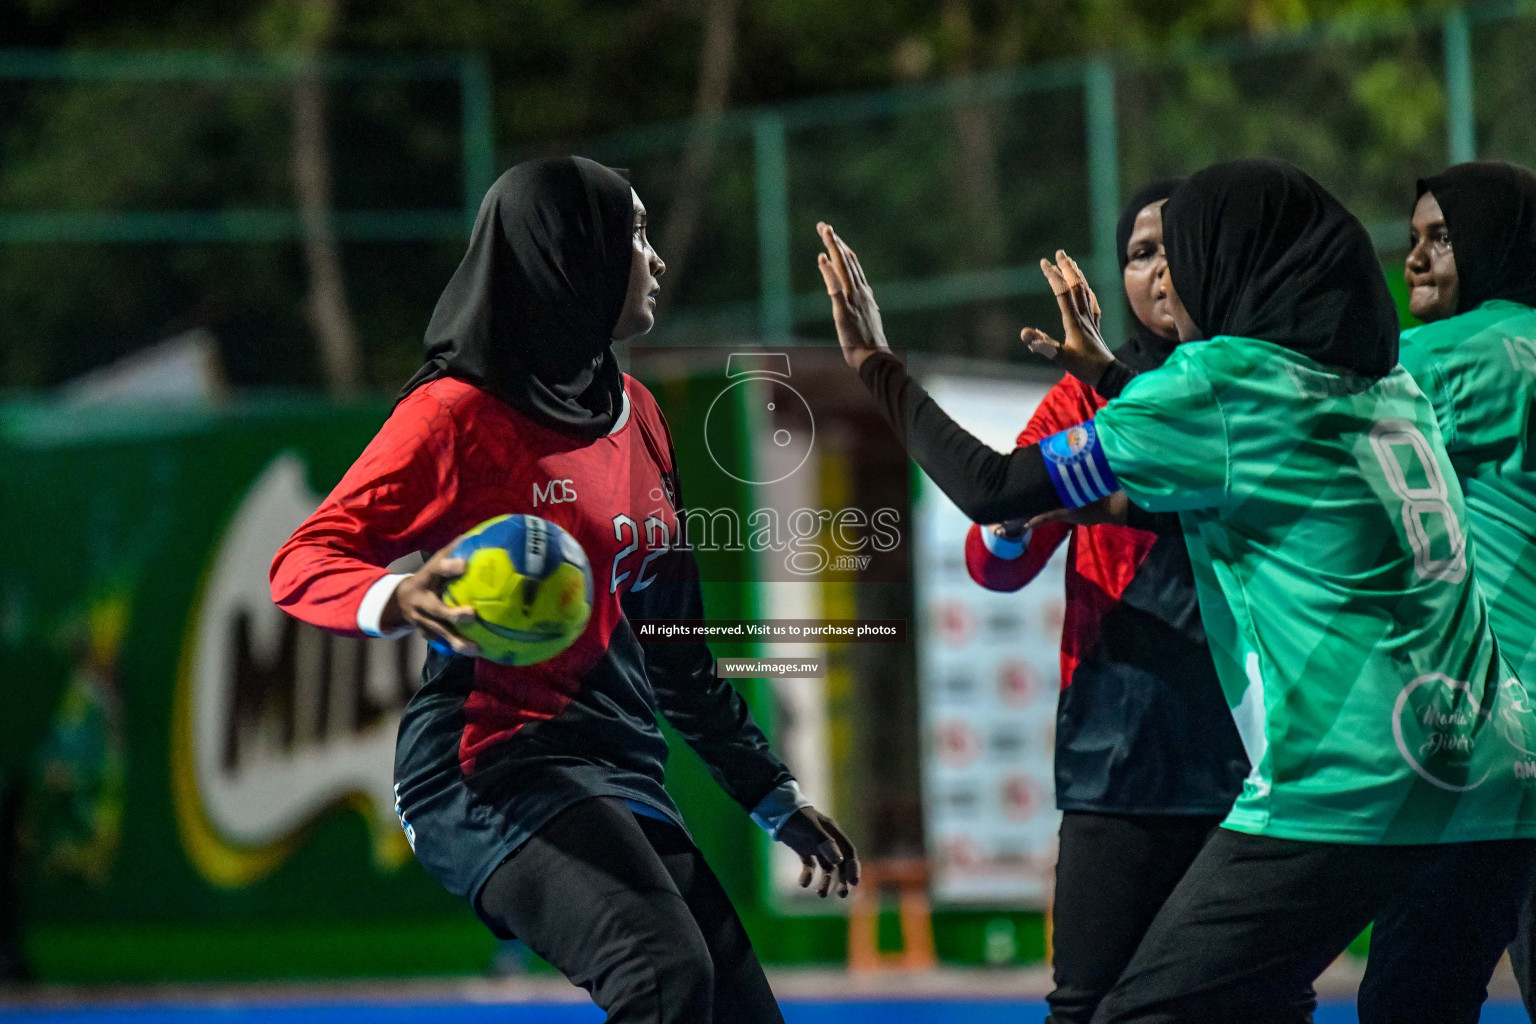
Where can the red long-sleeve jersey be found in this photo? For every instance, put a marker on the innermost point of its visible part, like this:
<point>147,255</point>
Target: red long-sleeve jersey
<point>584,722</point>
<point>1142,726</point>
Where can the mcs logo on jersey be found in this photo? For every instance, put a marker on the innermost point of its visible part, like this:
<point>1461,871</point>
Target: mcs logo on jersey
<point>554,492</point>
<point>276,722</point>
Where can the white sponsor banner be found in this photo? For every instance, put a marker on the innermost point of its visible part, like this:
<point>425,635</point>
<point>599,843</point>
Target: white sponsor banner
<point>989,672</point>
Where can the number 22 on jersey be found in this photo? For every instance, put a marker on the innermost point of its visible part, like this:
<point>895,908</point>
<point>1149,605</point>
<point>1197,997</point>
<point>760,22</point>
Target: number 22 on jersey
<point>658,537</point>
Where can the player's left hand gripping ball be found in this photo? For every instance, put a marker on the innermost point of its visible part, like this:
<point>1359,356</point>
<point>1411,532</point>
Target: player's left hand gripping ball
<point>530,585</point>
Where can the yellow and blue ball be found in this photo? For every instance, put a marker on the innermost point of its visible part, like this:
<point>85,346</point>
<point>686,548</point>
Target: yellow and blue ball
<point>530,585</point>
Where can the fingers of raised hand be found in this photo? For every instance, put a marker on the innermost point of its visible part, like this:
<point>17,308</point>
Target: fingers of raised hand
<point>845,260</point>
<point>1054,278</point>
<point>856,282</point>
<point>1069,269</point>
<point>830,279</point>
<point>1080,285</point>
<point>1083,302</point>
<point>1040,343</point>
<point>807,871</point>
<point>835,254</point>
<point>856,266</point>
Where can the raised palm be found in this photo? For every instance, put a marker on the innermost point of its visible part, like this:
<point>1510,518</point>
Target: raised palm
<point>1082,352</point>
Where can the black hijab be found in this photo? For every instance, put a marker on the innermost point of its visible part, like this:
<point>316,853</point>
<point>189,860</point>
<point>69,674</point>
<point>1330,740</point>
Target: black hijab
<point>1145,349</point>
<point>1257,249</point>
<point>529,315</point>
<point>1490,212</point>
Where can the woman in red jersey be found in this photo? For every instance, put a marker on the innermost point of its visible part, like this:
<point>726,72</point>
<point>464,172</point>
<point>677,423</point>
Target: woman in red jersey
<point>536,792</point>
<point>1148,759</point>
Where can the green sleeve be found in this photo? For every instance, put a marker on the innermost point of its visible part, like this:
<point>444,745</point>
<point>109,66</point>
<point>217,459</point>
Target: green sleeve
<point>1428,374</point>
<point>1166,439</point>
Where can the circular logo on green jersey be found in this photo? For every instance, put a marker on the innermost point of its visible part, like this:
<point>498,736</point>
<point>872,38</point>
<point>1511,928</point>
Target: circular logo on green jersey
<point>1435,724</point>
<point>1516,719</point>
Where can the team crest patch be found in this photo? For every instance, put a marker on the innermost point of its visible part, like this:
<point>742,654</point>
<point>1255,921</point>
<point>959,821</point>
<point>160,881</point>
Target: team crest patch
<point>1078,468</point>
<point>1077,439</point>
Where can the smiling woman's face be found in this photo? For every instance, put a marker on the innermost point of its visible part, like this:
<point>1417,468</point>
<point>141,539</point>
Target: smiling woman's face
<point>1430,270</point>
<point>645,270</point>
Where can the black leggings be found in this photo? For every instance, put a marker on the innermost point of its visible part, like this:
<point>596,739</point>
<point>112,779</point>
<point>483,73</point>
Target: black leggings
<point>1113,873</point>
<point>1256,919</point>
<point>1435,945</point>
<point>625,907</point>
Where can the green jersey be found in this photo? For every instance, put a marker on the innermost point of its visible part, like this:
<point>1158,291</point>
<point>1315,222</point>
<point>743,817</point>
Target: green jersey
<point>1479,371</point>
<point>1327,530</point>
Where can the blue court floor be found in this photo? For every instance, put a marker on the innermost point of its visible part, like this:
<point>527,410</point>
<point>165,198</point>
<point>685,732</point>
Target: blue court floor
<point>864,1011</point>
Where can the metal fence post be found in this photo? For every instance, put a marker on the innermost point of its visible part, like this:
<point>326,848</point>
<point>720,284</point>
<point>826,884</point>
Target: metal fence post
<point>776,310</point>
<point>1461,130</point>
<point>1104,192</point>
<point>479,130</point>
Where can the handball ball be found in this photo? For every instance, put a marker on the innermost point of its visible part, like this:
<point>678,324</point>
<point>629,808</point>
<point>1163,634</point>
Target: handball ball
<point>530,586</point>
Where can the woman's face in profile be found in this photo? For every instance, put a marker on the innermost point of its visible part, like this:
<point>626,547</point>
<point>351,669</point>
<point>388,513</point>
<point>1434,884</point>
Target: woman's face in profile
<point>1430,270</point>
<point>645,269</point>
<point>1144,277</point>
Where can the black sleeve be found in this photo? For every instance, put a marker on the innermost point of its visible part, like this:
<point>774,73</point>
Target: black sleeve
<point>1113,380</point>
<point>989,487</point>
<point>706,710</point>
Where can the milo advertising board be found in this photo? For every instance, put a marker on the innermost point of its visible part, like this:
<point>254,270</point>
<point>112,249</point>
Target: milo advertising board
<point>274,721</point>
<point>206,781</point>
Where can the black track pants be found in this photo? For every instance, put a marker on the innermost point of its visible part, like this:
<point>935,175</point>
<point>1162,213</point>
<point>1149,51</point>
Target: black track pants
<point>1436,944</point>
<point>625,907</point>
<point>1256,919</point>
<point>1113,872</point>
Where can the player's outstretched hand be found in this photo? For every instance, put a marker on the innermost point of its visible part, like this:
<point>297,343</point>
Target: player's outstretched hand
<point>1112,509</point>
<point>418,602</point>
<point>859,330</point>
<point>1083,353</point>
<point>821,844</point>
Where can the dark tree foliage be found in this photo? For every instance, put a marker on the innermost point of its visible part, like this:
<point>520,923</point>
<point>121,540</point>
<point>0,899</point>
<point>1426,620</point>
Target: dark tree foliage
<point>957,189</point>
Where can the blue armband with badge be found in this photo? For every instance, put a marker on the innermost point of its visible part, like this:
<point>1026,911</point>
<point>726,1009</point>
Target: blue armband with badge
<point>1077,465</point>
